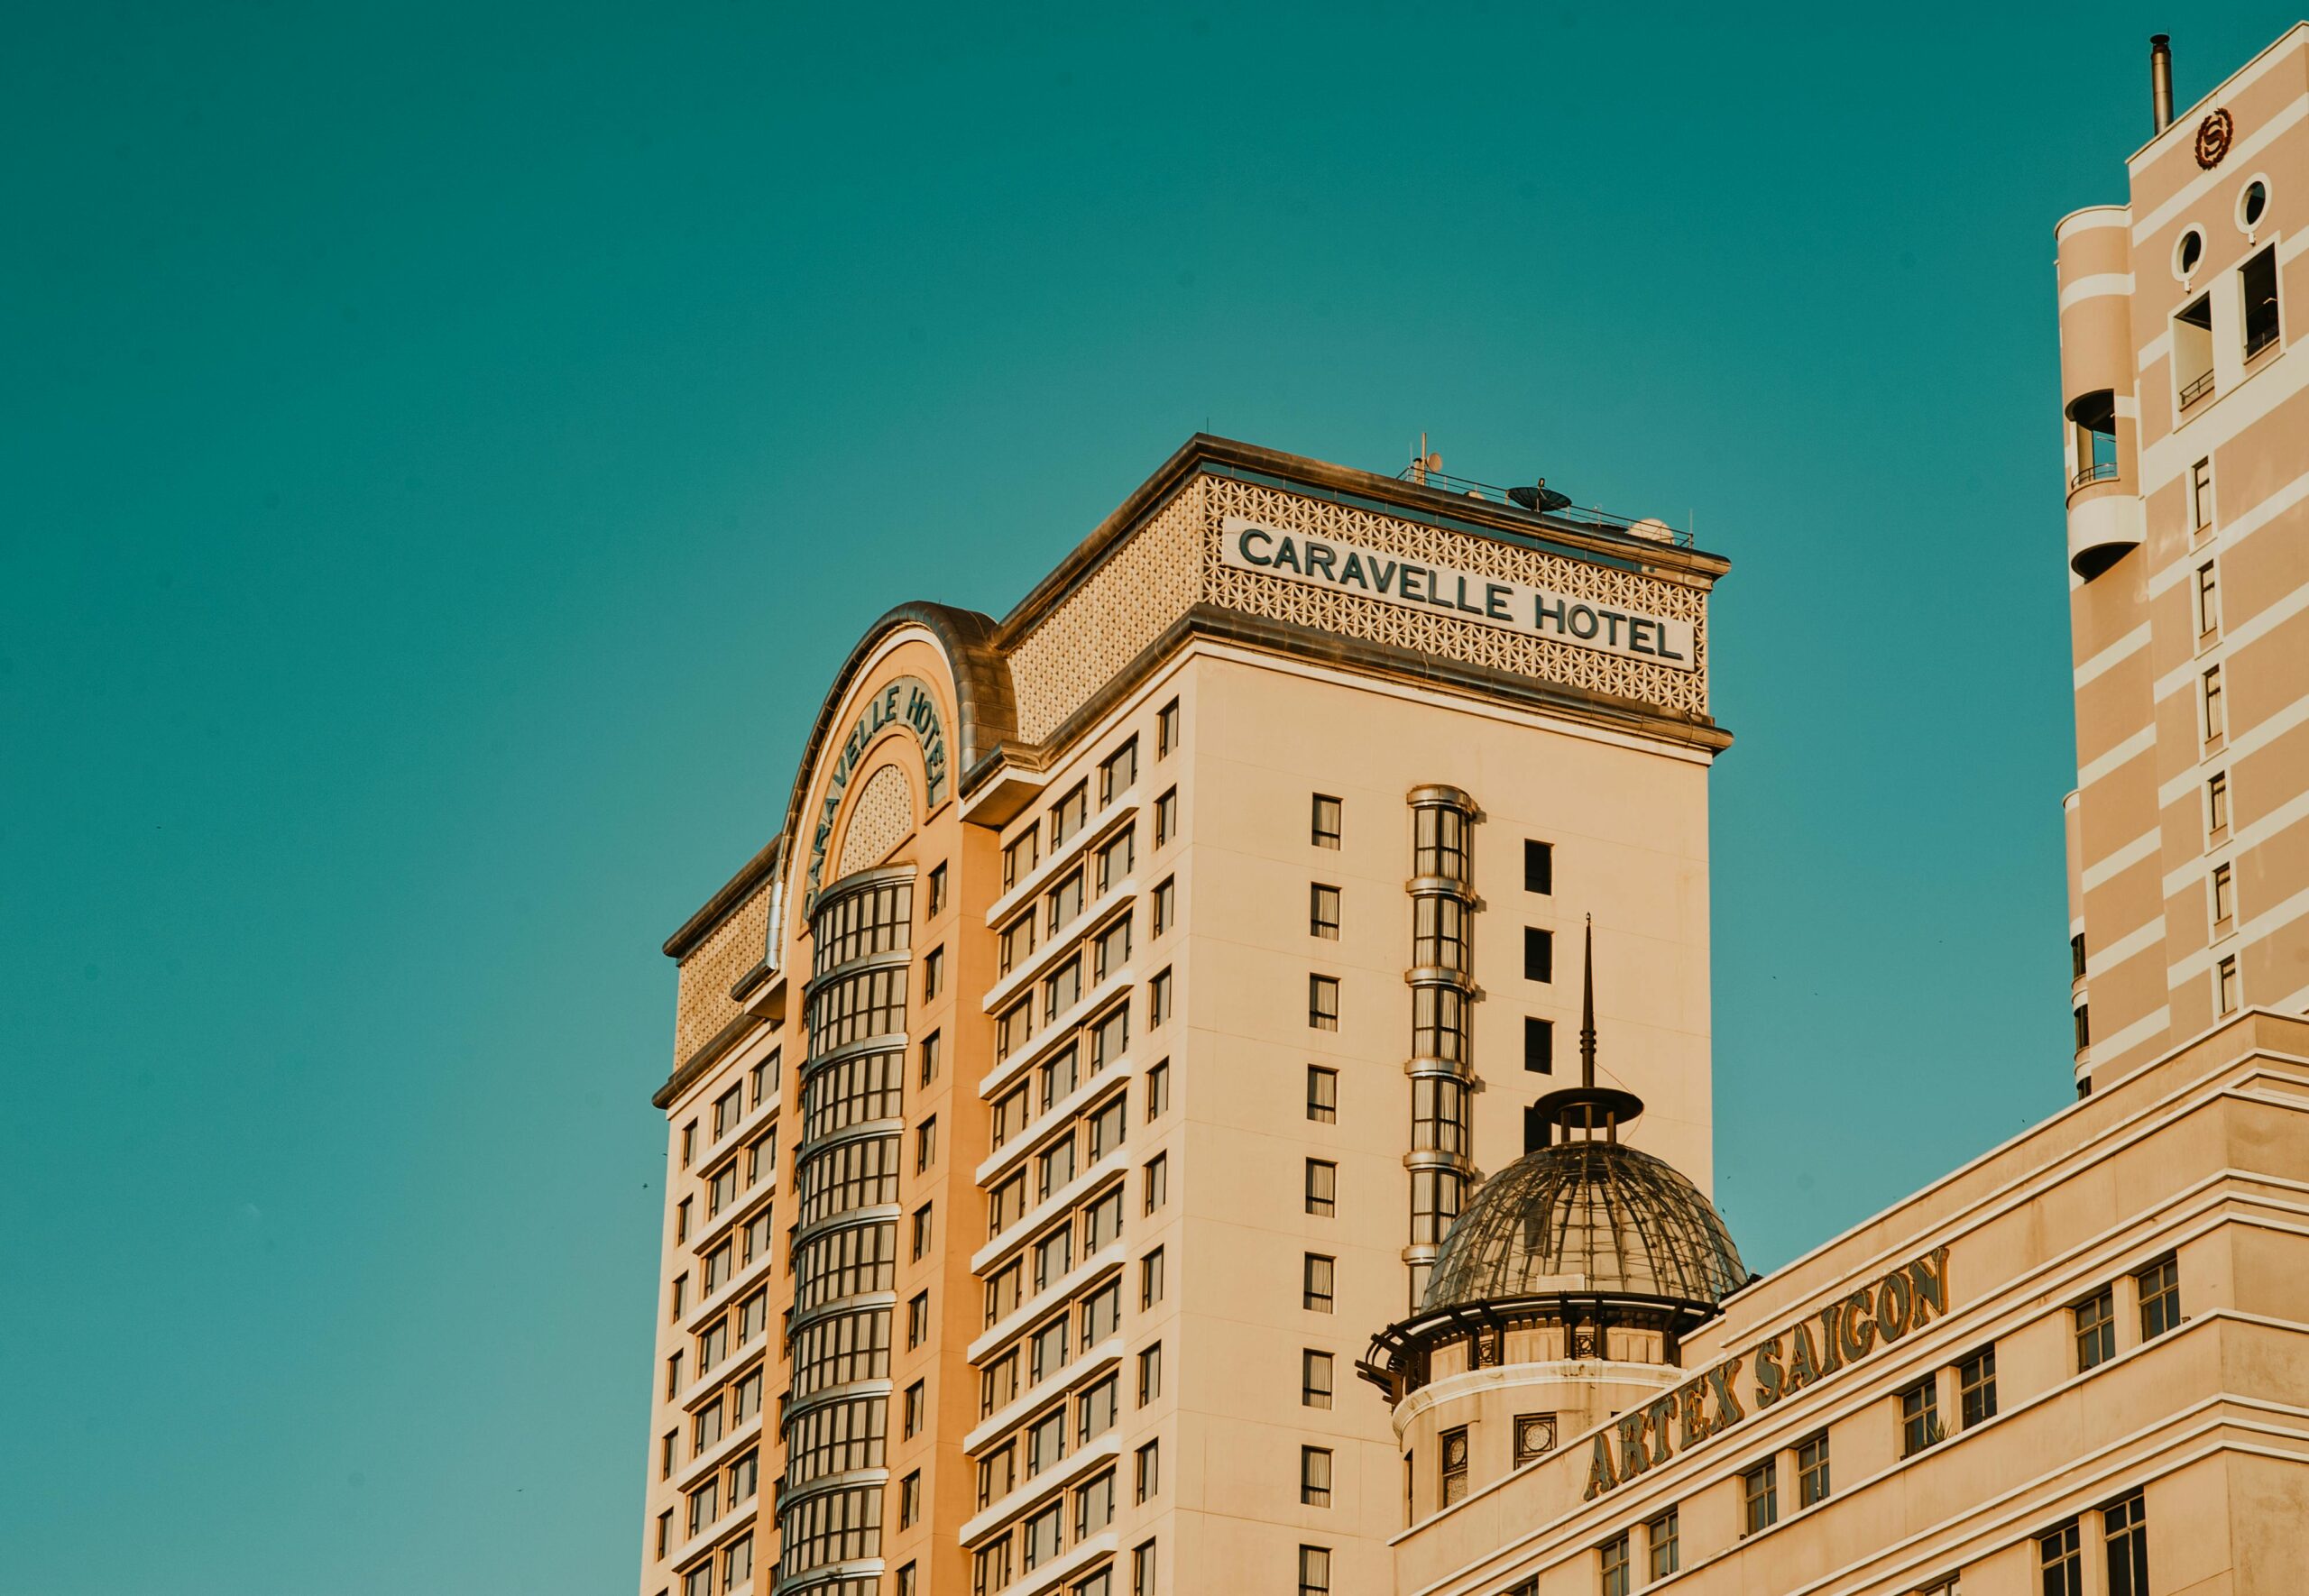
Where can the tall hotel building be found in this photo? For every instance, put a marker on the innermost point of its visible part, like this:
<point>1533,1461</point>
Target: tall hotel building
<point>1133,991</point>
<point>1158,1122</point>
<point>2187,462</point>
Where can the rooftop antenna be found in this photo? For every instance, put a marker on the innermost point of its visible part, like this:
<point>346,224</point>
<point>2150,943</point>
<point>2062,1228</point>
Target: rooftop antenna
<point>1588,1010</point>
<point>1579,1112</point>
<point>1423,462</point>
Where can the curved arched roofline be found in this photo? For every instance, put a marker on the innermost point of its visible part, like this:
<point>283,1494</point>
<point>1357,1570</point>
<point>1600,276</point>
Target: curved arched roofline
<point>985,712</point>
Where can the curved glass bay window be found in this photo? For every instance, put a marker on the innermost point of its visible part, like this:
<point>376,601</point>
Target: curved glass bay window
<point>1442,894</point>
<point>846,1167</point>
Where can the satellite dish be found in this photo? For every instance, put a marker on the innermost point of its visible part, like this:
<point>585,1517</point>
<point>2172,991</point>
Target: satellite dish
<point>1539,497</point>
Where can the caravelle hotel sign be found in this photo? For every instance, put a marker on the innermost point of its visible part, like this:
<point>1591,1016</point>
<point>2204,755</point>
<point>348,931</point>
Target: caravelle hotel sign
<point>1466,595</point>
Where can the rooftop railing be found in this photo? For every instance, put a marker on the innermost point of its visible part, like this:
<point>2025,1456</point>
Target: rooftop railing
<point>1573,518</point>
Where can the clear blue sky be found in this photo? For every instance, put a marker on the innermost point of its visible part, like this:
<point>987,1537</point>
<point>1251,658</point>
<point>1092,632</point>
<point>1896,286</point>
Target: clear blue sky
<point>446,447</point>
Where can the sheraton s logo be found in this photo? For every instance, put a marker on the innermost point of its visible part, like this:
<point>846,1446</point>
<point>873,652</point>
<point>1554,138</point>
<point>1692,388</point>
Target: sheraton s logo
<point>1466,595</point>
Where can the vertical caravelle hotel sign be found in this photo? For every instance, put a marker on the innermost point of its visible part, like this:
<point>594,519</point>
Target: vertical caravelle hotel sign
<point>1463,595</point>
<point>905,700</point>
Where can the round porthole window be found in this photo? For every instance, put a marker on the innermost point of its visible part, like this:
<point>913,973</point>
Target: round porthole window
<point>2252,205</point>
<point>2188,252</point>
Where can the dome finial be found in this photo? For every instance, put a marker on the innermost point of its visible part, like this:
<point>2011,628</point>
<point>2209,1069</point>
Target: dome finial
<point>1588,1010</point>
<point>1586,1108</point>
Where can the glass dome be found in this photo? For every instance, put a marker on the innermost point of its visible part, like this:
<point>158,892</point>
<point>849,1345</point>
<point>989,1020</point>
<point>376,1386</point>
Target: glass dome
<point>1589,1218</point>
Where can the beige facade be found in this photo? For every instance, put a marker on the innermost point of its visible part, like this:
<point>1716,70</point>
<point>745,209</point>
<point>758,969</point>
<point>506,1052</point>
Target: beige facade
<point>2185,420</point>
<point>1137,988</point>
<point>2119,1329</point>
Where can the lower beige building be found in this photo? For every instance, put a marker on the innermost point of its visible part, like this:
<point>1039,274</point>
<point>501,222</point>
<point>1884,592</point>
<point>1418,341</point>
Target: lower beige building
<point>2078,1366</point>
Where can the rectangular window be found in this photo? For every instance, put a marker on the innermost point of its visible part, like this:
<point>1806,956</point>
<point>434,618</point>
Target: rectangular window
<point>1158,1090</point>
<point>2208,601</point>
<point>909,1498</point>
<point>666,1444</point>
<point>1015,1025</point>
<point>908,1584</point>
<point>1062,988</point>
<point>925,1144</point>
<point>933,973</point>
<point>680,1295</point>
<point>1167,729</point>
<point>705,1505</point>
<point>1108,1127</point>
<point>1976,1388</point>
<point>1042,1536</point>
<point>1539,954</point>
<point>1167,818</point>
<point>1536,1434</point>
<point>1065,900</point>
<point>1094,1507</point>
<point>1158,999</point>
<point>922,1231</point>
<point>1812,1480</point>
<point>1451,1466</point>
<point>1166,904</point>
<point>1095,1412</point>
<point>738,1562</point>
<point>997,1383</point>
<point>1067,815</point>
<point>1322,1187</point>
<point>2060,1561</point>
<point>916,1408</point>
<point>1142,1569</point>
<point>1322,1094</point>
<point>2258,279</point>
<point>1322,912</point>
<point>937,902</point>
<point>2225,996</point>
<point>1112,949</point>
<point>2200,496</point>
<point>1150,1374</point>
<point>1920,1416</point>
<point>930,1047</point>
<point>665,1532</point>
<point>1116,772</point>
<point>673,1376</point>
<point>2160,1297</point>
<point>1759,1496</point>
<point>1147,1471</point>
<point>1662,1536</point>
<point>1616,1574</point>
<point>1109,1035</point>
<point>681,1220</point>
<point>1020,858</point>
<point>1539,1045</point>
<point>2216,719</point>
<point>1315,1283</point>
<point>745,1478</point>
<point>2124,1530</point>
<point>1101,1314</point>
<point>1157,1181</point>
<point>1116,859</point>
<point>1102,1221</point>
<point>1015,940</point>
<point>2095,1321</point>
<point>998,1473</point>
<point>705,1429</point>
<point>918,1319</point>
<point>1314,1571</point>
<point>1054,1168</point>
<point>2192,352</point>
<point>1327,821</point>
<point>1047,1351</point>
<point>1539,866</point>
<point>1046,1442</point>
<point>699,1581</point>
<point>1059,1079</point>
<point>1150,1278</point>
<point>1314,1379</point>
<point>1314,1477</point>
<point>1322,1002</point>
<point>689,1143</point>
<point>762,1077</point>
<point>2224,900</point>
<point>728,1109</point>
<point>2216,807</point>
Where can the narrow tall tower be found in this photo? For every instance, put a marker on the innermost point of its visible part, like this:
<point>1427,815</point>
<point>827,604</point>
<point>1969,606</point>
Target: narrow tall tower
<point>2183,470</point>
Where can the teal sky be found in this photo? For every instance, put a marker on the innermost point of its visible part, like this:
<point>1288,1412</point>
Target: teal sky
<point>447,448</point>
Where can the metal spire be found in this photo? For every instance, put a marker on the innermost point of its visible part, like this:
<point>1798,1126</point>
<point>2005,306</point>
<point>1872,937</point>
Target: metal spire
<point>1587,1012</point>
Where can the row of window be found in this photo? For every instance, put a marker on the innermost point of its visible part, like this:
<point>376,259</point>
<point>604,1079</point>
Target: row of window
<point>1042,1535</point>
<point>1437,852</point>
<point>2092,1320</point>
<point>1117,773</point>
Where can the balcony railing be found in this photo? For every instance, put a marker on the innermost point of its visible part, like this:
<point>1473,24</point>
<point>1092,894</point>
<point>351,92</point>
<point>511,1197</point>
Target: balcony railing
<point>1572,518</point>
<point>2258,338</point>
<point>2100,470</point>
<point>2193,392</point>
